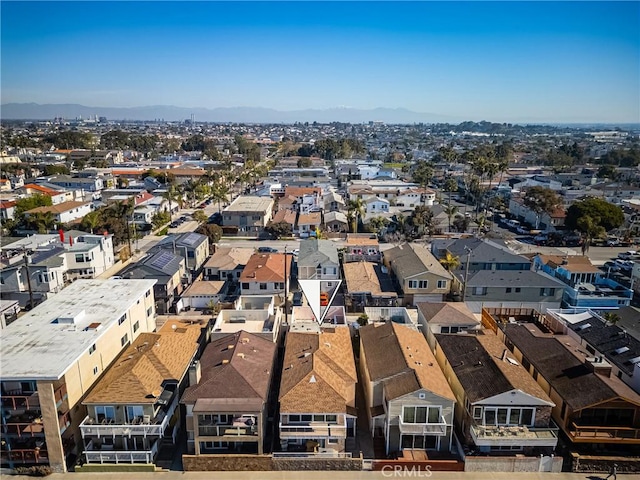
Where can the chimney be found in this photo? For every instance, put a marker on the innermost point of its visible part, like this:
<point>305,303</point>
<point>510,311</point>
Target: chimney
<point>599,366</point>
<point>504,354</point>
<point>195,371</point>
<point>71,241</point>
<point>61,233</point>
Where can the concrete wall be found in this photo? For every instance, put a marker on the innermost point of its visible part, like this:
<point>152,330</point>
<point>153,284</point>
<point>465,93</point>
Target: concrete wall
<point>592,463</point>
<point>511,464</point>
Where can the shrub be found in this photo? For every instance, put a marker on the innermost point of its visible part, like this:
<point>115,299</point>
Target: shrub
<point>36,471</point>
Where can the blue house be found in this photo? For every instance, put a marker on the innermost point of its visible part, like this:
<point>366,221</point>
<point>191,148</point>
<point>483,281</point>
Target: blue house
<point>587,286</point>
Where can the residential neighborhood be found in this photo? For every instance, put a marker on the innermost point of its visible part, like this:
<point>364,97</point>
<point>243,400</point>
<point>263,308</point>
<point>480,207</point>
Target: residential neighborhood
<point>268,303</point>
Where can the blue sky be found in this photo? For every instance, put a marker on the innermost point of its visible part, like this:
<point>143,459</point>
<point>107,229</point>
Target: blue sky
<point>499,61</point>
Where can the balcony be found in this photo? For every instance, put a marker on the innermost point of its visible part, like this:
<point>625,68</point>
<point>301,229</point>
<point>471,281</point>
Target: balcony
<point>312,430</point>
<point>28,424</point>
<point>25,456</point>
<point>106,455</point>
<point>438,429</point>
<point>140,426</point>
<point>60,394</point>
<point>363,257</point>
<point>231,430</point>
<point>601,434</point>
<point>21,401</point>
<point>64,421</point>
<point>489,436</point>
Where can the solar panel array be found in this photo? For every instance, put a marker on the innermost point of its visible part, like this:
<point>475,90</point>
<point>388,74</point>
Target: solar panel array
<point>162,260</point>
<point>191,239</point>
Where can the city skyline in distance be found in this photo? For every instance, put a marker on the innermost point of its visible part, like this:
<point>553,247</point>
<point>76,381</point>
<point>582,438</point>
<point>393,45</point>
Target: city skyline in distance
<point>517,62</point>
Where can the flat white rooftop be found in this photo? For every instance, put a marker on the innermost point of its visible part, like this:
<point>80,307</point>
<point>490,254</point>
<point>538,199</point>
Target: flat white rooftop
<point>45,342</point>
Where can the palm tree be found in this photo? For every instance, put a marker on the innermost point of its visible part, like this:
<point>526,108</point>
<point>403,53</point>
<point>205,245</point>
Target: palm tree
<point>355,211</point>
<point>450,211</point>
<point>92,220</point>
<point>611,318</point>
<point>42,221</point>
<point>450,261</point>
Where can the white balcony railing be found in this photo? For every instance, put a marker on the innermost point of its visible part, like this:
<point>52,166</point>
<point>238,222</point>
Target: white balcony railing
<point>312,430</point>
<point>485,435</point>
<point>439,428</point>
<point>108,428</point>
<point>121,456</point>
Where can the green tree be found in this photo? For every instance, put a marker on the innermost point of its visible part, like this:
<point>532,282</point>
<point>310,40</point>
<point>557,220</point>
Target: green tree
<point>304,162</point>
<point>356,209</point>
<point>278,229</point>
<point>423,173</point>
<point>422,220</point>
<point>29,203</point>
<point>363,319</point>
<point>91,221</point>
<point>601,212</point>
<point>611,318</point>
<point>56,170</point>
<point>542,200</point>
<point>450,262</point>
<point>41,221</point>
<point>200,217</point>
<point>377,224</point>
<point>213,232</point>
<point>159,219</point>
<point>590,227</point>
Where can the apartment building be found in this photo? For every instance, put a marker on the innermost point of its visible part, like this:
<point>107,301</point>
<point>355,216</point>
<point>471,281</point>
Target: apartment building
<point>52,357</point>
<point>250,214</point>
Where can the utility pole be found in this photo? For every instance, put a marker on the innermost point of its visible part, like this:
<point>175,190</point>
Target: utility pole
<point>466,274</point>
<point>26,266</point>
<point>285,286</point>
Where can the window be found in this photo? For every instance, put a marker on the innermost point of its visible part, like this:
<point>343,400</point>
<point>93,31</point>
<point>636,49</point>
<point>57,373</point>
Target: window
<point>421,414</point>
<point>508,289</point>
<point>149,311</point>
<point>479,290</point>
<point>547,292</point>
<point>95,370</point>
<point>418,283</point>
<point>134,411</point>
<point>442,284</point>
<point>245,286</point>
<point>294,418</point>
<point>122,319</point>
<point>80,257</point>
<point>332,418</point>
<point>306,418</point>
<point>444,329</point>
<point>148,294</point>
<point>124,340</point>
<point>508,416</point>
<point>477,412</point>
<point>280,285</point>
<point>517,289</point>
<point>105,413</point>
<point>263,286</point>
<point>190,254</point>
<point>136,326</point>
<point>92,349</point>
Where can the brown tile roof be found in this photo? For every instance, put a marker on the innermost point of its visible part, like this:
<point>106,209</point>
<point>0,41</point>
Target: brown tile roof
<point>204,287</point>
<point>146,364</point>
<point>300,191</point>
<point>284,215</point>
<point>226,258</point>
<point>359,239</point>
<point>362,277</point>
<point>402,358</point>
<point>310,218</point>
<point>443,313</point>
<point>40,188</point>
<point>572,263</point>
<point>266,267</point>
<point>238,366</point>
<point>318,372</point>
<point>59,208</point>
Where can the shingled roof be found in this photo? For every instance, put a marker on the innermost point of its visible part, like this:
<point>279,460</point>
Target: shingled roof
<point>238,366</point>
<point>478,365</point>
<point>318,373</point>
<point>138,374</point>
<point>401,358</point>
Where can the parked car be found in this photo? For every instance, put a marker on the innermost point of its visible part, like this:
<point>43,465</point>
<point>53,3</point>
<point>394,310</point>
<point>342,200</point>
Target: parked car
<point>613,241</point>
<point>297,299</point>
<point>175,224</point>
<point>267,250</point>
<point>628,255</point>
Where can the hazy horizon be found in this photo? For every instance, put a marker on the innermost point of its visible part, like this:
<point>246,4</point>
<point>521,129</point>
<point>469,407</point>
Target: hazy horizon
<point>517,62</point>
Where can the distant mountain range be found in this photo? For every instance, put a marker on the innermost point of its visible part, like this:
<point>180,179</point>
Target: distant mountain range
<point>35,111</point>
